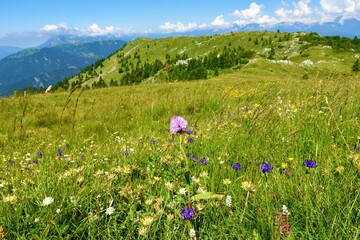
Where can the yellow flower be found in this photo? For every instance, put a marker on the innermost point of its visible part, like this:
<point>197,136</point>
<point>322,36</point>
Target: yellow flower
<point>340,169</point>
<point>10,199</point>
<point>147,221</point>
<point>284,165</point>
<point>227,181</point>
<point>157,178</point>
<point>248,186</point>
<point>290,159</point>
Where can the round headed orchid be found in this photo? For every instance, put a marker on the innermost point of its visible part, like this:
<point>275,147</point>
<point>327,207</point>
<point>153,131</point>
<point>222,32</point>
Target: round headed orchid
<point>178,125</point>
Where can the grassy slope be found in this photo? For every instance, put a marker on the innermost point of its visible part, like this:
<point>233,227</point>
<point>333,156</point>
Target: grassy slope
<point>323,57</point>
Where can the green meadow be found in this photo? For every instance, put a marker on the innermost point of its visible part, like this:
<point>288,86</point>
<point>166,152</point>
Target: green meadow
<point>267,154</point>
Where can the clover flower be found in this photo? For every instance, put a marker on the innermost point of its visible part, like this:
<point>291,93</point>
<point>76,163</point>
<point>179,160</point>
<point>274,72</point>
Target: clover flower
<point>265,167</point>
<point>178,125</point>
<point>310,163</point>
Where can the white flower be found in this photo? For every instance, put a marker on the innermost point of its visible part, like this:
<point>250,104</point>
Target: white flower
<point>228,200</point>
<point>47,201</point>
<point>58,210</point>
<point>36,220</point>
<point>110,210</point>
<point>183,191</point>
<point>285,211</point>
<point>192,233</point>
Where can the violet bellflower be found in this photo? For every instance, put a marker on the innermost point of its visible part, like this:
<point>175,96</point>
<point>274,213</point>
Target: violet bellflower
<point>178,125</point>
<point>265,167</point>
<point>310,163</point>
<point>236,166</point>
<point>188,213</point>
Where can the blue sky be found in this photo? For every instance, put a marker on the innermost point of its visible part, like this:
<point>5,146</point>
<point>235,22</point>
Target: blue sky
<point>29,22</point>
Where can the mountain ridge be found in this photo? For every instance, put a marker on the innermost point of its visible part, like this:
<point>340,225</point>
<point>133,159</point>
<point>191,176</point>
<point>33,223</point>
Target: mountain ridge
<point>40,67</point>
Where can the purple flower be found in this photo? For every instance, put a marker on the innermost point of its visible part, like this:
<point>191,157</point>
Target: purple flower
<point>153,142</point>
<point>236,166</point>
<point>188,155</point>
<point>191,140</point>
<point>67,145</point>
<point>82,156</point>
<point>265,167</point>
<point>189,132</point>
<point>194,158</point>
<point>40,154</point>
<point>11,161</point>
<point>310,163</point>
<point>59,154</point>
<point>170,140</point>
<point>203,161</point>
<point>178,125</point>
<point>126,153</point>
<point>188,213</point>
<point>357,148</point>
<point>36,161</point>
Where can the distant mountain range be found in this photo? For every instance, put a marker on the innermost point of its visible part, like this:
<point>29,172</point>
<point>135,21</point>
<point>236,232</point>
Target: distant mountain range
<point>348,28</point>
<point>53,61</point>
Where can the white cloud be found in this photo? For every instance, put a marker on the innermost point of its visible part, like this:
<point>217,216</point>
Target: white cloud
<point>178,27</point>
<point>252,12</point>
<point>302,8</point>
<point>219,21</point>
<point>301,12</point>
<point>344,8</point>
<point>96,30</point>
<point>54,27</point>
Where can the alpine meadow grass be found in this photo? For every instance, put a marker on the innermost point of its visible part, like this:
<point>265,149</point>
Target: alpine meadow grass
<point>249,157</point>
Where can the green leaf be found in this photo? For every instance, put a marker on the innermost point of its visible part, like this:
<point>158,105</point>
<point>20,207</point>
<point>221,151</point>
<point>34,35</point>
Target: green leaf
<point>207,195</point>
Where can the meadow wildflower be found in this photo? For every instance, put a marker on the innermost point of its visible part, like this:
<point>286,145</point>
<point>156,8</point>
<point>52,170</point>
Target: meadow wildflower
<point>142,231</point>
<point>36,161</point>
<point>203,161</point>
<point>188,212</point>
<point>110,210</point>
<point>40,154</point>
<point>226,181</point>
<point>192,234</point>
<point>190,140</point>
<point>47,201</point>
<point>310,163</point>
<point>60,152</point>
<point>340,169</point>
<point>284,165</point>
<point>2,233</point>
<point>248,186</point>
<point>169,186</point>
<point>178,125</point>
<point>147,221</point>
<point>183,191</point>
<point>236,166</point>
<point>10,199</point>
<point>228,201</point>
<point>265,167</point>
